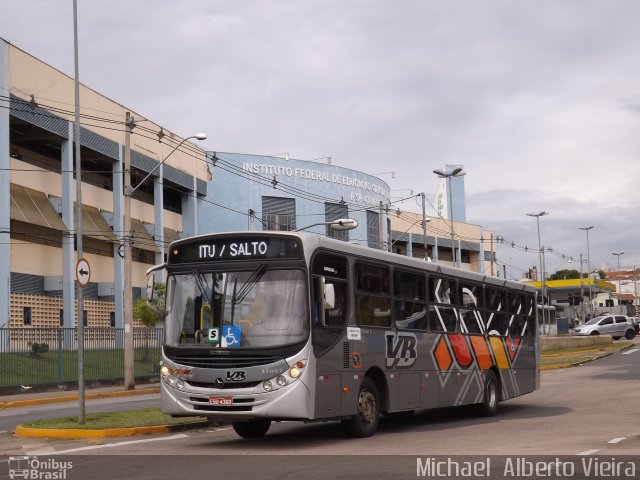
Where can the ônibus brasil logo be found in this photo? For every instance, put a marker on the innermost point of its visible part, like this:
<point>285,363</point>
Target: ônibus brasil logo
<point>32,468</point>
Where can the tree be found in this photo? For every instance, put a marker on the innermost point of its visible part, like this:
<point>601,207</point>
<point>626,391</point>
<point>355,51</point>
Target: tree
<point>150,314</point>
<point>565,274</point>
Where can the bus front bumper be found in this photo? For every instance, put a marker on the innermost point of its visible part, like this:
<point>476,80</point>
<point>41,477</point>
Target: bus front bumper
<point>292,402</point>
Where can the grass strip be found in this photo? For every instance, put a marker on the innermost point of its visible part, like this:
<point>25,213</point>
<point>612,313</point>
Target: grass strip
<point>130,418</point>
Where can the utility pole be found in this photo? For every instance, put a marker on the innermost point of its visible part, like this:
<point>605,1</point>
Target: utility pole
<point>80,298</point>
<point>424,226</point>
<point>129,375</point>
<point>581,290</point>
<point>381,227</point>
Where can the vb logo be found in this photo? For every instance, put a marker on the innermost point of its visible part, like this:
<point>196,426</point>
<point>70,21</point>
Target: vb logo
<point>401,349</point>
<point>235,375</point>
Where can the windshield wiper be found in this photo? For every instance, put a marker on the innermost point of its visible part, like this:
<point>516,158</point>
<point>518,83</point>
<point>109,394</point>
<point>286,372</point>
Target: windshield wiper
<point>248,285</point>
<point>201,283</point>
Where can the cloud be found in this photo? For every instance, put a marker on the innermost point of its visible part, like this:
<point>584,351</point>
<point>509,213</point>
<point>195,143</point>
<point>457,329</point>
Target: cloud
<point>539,101</point>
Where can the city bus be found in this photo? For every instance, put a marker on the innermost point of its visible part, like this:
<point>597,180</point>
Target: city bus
<point>284,326</point>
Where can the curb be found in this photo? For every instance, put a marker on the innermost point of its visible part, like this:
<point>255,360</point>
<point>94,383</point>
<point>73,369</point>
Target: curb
<point>576,363</point>
<point>80,434</point>
<point>71,398</point>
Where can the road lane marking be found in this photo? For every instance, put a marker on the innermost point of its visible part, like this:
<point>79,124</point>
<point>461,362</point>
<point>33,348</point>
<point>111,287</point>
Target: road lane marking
<point>111,445</point>
<point>633,350</point>
<point>617,440</point>
<point>589,452</point>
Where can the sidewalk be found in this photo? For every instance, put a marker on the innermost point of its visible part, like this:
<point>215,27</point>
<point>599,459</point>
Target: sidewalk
<point>40,398</point>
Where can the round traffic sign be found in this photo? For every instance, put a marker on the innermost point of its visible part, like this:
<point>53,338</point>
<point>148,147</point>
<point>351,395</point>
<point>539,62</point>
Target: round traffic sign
<point>83,272</point>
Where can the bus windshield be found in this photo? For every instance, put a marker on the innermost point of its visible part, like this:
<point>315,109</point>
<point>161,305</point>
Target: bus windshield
<point>237,309</point>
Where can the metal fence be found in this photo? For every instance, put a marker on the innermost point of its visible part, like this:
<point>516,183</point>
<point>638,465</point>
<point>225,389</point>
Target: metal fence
<point>49,356</point>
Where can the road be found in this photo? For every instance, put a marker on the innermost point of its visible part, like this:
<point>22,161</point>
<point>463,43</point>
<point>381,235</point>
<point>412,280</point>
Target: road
<point>585,410</point>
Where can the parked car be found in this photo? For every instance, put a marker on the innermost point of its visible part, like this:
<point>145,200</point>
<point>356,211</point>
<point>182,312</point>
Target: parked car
<point>617,326</point>
<point>636,324</point>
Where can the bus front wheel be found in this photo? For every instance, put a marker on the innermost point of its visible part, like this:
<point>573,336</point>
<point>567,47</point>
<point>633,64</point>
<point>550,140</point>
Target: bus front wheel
<point>252,429</point>
<point>365,422</point>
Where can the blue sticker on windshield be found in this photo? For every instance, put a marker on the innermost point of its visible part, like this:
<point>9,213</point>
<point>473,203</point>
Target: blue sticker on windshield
<point>231,336</point>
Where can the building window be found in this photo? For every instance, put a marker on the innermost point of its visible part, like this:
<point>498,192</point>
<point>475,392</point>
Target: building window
<point>373,229</point>
<point>112,319</point>
<point>278,213</point>
<point>26,315</point>
<point>334,211</point>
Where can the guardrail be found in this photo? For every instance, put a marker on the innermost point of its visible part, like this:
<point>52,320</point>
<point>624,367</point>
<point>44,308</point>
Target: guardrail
<point>49,356</point>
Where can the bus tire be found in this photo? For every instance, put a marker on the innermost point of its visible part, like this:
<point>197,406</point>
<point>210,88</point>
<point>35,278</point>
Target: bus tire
<point>252,429</point>
<point>365,422</point>
<point>491,396</point>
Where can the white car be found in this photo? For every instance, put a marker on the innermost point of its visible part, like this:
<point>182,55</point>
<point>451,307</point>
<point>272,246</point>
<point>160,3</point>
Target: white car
<point>617,326</point>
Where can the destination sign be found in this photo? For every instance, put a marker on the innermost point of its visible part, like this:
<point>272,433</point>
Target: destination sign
<point>215,249</point>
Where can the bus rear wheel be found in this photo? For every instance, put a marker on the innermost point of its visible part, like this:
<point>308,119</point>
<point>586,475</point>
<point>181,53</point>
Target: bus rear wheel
<point>365,422</point>
<point>252,429</point>
<point>491,396</point>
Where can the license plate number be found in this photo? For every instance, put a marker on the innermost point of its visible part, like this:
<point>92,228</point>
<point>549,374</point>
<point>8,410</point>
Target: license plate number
<point>221,401</point>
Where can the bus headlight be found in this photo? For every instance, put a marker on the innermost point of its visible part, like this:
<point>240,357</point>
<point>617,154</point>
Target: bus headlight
<point>294,372</point>
<point>165,371</point>
<point>281,381</point>
<point>267,385</point>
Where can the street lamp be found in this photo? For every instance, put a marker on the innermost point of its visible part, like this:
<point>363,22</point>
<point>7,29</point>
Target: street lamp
<point>617,254</point>
<point>586,229</point>
<point>129,374</point>
<point>197,136</point>
<point>541,259</point>
<point>456,172</point>
<point>340,225</point>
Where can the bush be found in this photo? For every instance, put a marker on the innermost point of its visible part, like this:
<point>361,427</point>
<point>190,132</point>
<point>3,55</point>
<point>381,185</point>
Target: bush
<point>39,348</point>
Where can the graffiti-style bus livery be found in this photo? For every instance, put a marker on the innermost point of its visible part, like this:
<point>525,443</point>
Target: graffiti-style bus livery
<point>275,326</point>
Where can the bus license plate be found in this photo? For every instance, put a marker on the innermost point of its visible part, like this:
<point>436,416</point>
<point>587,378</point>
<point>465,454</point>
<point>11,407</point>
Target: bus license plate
<point>221,401</point>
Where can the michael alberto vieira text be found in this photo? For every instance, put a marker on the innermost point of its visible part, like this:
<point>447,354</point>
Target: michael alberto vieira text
<point>521,467</point>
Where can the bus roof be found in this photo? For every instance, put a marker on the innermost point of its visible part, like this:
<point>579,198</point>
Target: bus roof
<point>313,241</point>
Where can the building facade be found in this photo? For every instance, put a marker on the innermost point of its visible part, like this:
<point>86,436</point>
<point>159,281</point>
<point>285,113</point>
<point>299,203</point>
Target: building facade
<point>37,196</point>
<point>274,193</point>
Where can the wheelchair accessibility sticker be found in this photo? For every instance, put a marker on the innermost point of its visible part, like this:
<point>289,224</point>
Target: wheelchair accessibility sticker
<point>231,336</point>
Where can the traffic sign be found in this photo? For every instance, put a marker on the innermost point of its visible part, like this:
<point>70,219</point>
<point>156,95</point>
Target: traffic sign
<point>83,272</point>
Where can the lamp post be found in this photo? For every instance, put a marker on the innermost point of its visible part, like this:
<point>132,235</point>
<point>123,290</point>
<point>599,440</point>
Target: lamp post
<point>340,225</point>
<point>586,229</point>
<point>617,254</point>
<point>456,172</point>
<point>129,375</point>
<point>541,255</point>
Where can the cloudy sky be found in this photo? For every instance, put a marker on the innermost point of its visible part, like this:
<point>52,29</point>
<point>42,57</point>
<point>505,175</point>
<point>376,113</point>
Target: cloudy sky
<point>540,101</point>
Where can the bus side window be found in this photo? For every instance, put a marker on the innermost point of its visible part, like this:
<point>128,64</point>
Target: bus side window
<point>442,298</point>
<point>373,302</point>
<point>335,317</point>
<point>410,303</point>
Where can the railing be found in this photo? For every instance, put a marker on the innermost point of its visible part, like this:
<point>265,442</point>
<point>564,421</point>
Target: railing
<point>49,356</point>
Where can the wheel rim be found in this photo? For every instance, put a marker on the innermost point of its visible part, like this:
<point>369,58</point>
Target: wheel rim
<point>367,408</point>
<point>492,395</point>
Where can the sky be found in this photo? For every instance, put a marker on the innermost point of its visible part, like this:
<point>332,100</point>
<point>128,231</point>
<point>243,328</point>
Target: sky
<point>540,101</point>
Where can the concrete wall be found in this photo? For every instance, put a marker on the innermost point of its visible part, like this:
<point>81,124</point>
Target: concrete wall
<point>548,343</point>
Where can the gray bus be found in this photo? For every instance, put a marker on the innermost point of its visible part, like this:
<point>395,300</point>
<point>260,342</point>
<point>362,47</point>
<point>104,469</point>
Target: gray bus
<point>279,326</point>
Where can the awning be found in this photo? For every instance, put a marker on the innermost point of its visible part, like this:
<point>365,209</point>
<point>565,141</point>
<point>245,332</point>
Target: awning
<point>142,239</point>
<point>32,206</point>
<point>95,226</point>
<point>170,236</point>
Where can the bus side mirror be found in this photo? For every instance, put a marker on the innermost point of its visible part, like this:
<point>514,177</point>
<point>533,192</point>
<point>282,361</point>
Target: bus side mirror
<point>329,296</point>
<point>151,282</point>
